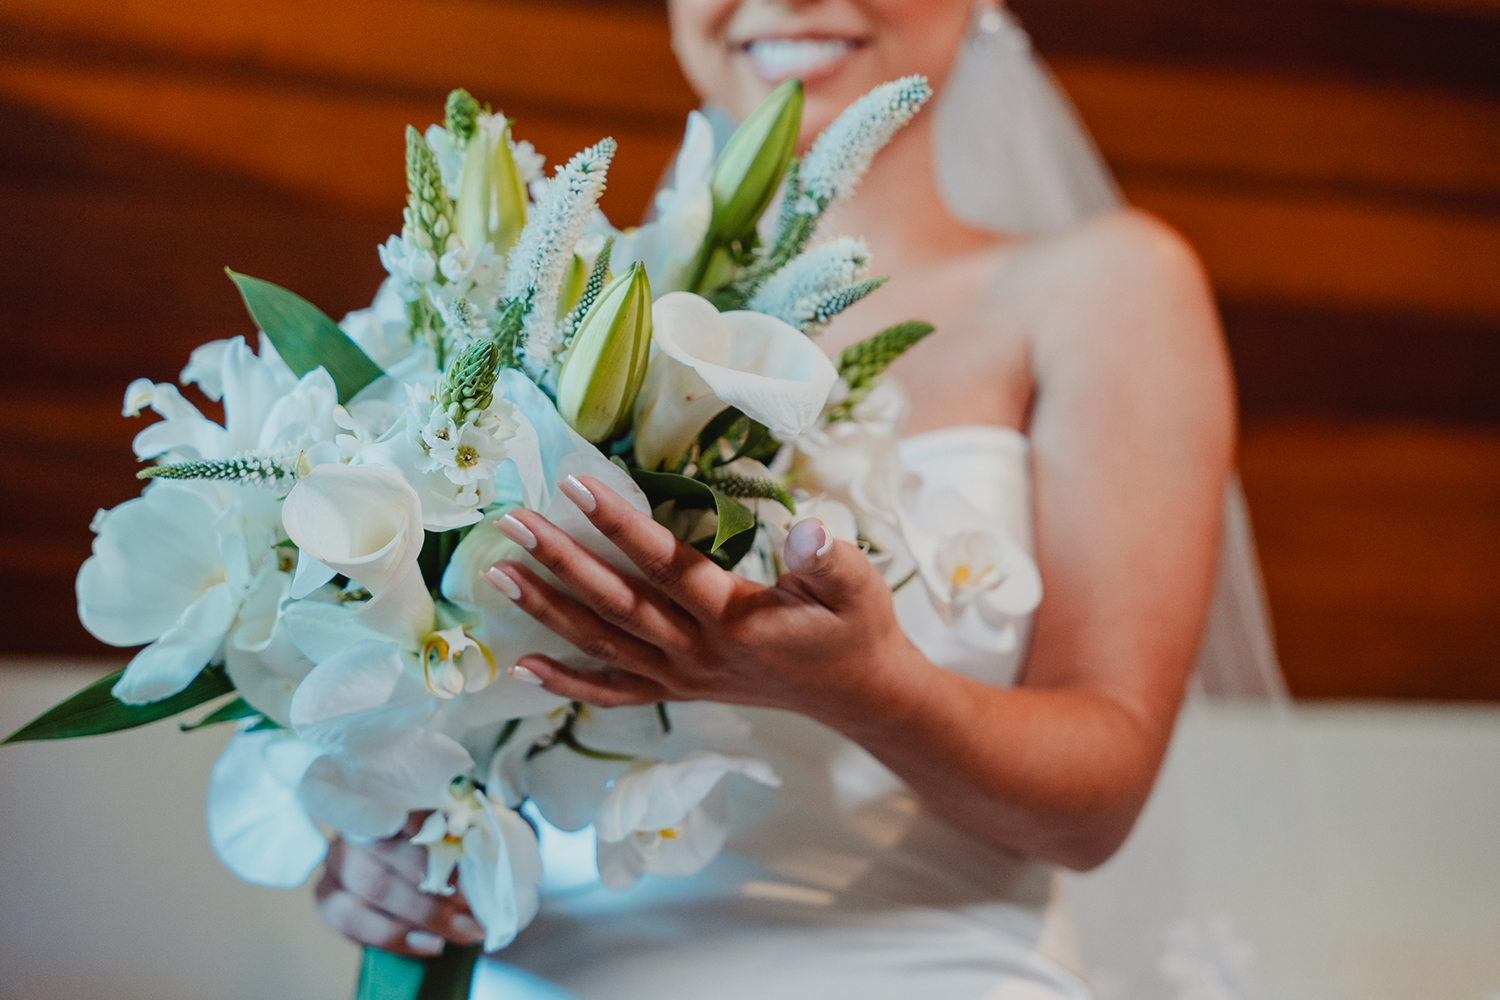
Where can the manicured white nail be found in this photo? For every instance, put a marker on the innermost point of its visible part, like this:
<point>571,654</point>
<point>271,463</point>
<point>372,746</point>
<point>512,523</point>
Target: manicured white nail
<point>424,943</point>
<point>467,926</point>
<point>520,673</point>
<point>501,581</point>
<point>827,541</point>
<point>517,532</point>
<point>579,494</point>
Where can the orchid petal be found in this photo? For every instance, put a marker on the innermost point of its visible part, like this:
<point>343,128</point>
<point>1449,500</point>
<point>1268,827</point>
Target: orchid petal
<point>367,789</point>
<point>256,826</point>
<point>171,662</point>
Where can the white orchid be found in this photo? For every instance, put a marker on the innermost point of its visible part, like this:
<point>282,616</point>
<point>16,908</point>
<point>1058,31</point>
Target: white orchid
<point>981,581</point>
<point>172,568</point>
<point>495,853</point>
<point>257,827</point>
<point>703,361</point>
<point>668,819</point>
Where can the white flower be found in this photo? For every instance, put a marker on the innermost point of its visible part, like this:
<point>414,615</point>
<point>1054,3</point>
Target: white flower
<point>979,579</point>
<point>495,853</point>
<point>256,825</point>
<point>802,292</point>
<point>365,523</point>
<point>383,330</point>
<point>409,266</point>
<point>540,258</point>
<point>840,156</point>
<point>172,568</point>
<point>668,819</point>
<point>704,360</point>
<point>383,732</point>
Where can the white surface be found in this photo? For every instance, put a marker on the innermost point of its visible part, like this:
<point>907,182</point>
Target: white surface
<point>108,888</point>
<point>107,884</point>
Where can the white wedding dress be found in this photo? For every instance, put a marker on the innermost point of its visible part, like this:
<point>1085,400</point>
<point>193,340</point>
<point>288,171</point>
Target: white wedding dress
<point>840,883</point>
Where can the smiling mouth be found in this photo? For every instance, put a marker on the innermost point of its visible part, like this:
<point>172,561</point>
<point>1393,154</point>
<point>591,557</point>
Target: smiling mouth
<point>782,58</point>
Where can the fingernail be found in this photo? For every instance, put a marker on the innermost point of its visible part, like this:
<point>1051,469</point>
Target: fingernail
<point>579,494</point>
<point>520,673</point>
<point>466,926</point>
<point>501,581</point>
<point>424,942</point>
<point>806,543</point>
<point>827,541</point>
<point>516,532</point>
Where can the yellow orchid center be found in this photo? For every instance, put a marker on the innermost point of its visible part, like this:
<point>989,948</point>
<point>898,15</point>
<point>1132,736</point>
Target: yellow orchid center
<point>454,661</point>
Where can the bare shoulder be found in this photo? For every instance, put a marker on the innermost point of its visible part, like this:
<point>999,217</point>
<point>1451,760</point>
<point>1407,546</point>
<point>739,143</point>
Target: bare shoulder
<point>1121,283</point>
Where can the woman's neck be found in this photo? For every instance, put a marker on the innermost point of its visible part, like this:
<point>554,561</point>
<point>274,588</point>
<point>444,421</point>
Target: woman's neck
<point>898,210</point>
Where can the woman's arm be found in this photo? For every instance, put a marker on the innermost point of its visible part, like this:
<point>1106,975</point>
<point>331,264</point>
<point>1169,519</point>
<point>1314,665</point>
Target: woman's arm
<point>1132,432</point>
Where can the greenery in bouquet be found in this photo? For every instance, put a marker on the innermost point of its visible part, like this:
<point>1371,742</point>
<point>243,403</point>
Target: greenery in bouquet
<point>315,563</point>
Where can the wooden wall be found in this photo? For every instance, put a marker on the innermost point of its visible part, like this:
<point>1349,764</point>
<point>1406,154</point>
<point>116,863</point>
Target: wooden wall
<point>1337,163</point>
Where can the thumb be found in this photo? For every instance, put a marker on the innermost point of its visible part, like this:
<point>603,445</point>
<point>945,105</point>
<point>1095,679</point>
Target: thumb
<point>832,573</point>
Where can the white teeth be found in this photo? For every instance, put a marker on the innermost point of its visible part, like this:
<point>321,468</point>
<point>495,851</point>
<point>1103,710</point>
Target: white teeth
<point>786,56</point>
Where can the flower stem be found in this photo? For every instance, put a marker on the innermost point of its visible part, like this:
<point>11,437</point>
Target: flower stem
<point>449,976</point>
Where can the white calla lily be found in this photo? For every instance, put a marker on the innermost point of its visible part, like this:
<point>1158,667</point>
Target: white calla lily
<point>256,826</point>
<point>366,523</point>
<point>704,360</point>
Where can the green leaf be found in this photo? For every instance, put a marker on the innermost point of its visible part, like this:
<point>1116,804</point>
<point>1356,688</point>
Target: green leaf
<point>734,517</point>
<point>239,708</point>
<point>449,976</point>
<point>94,710</point>
<point>304,336</point>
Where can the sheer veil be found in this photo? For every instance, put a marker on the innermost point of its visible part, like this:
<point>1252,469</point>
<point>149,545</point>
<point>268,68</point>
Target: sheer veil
<point>1220,865</point>
<point>1012,156</point>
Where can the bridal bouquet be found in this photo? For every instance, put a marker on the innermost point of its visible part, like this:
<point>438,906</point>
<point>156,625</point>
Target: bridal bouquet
<point>312,565</point>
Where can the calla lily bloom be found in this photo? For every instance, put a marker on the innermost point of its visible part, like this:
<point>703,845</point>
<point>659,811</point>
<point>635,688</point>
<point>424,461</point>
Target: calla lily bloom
<point>706,360</point>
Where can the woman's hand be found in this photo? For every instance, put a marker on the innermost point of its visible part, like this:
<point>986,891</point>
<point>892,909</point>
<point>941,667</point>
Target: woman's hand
<point>369,894</point>
<point>823,641</point>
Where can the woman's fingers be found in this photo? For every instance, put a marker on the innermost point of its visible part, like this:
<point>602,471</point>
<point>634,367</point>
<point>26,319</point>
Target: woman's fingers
<point>836,576</point>
<point>686,576</point>
<point>606,689</point>
<point>362,873</point>
<point>574,622</point>
<point>622,603</point>
<point>359,921</point>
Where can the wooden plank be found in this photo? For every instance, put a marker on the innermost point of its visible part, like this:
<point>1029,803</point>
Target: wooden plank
<point>586,55</point>
<point>345,149</point>
<point>1263,126</point>
<point>1335,252</point>
<point>1381,549</point>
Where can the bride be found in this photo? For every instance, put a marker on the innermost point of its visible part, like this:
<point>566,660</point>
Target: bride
<point>1078,391</point>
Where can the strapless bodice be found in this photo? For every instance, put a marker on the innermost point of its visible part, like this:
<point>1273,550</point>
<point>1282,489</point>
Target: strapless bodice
<point>842,869</point>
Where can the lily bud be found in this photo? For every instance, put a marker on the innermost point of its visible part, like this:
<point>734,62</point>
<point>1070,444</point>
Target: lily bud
<point>749,170</point>
<point>598,384</point>
<point>571,290</point>
<point>510,195</point>
<point>491,203</point>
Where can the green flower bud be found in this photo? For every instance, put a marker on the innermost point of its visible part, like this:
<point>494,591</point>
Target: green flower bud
<point>749,170</point>
<point>492,199</point>
<point>571,289</point>
<point>510,195</point>
<point>597,387</point>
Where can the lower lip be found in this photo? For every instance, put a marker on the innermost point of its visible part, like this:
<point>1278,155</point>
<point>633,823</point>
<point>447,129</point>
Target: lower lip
<point>810,73</point>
